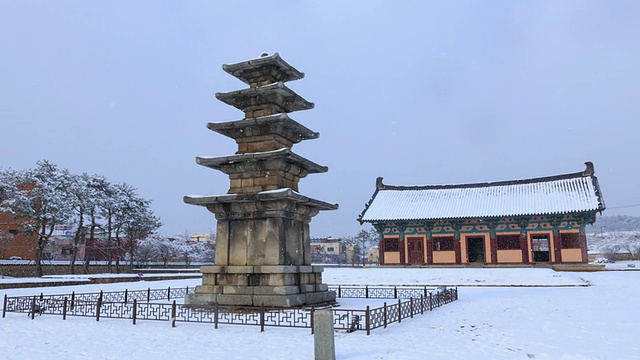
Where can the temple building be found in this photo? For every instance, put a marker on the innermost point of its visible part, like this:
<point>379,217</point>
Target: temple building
<point>529,221</point>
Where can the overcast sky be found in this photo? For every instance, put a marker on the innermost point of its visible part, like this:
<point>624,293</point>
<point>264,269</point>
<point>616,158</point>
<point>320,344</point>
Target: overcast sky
<point>419,92</point>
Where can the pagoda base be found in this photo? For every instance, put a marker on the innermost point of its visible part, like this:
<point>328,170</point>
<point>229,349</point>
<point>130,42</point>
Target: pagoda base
<point>271,285</point>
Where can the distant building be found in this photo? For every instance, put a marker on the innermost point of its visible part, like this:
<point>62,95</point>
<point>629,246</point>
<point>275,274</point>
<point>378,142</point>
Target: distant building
<point>202,238</point>
<point>16,241</point>
<point>529,221</point>
<point>373,256</point>
<point>326,250</point>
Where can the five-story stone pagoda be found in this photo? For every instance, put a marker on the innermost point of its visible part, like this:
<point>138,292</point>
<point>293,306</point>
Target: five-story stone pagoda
<point>263,251</point>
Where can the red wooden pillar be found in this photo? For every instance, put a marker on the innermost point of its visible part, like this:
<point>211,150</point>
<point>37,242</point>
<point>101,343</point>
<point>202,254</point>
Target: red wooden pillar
<point>402,246</point>
<point>456,247</point>
<point>525,247</point>
<point>583,246</point>
<point>493,244</point>
<point>429,249</point>
<point>381,251</point>
<point>557,246</point>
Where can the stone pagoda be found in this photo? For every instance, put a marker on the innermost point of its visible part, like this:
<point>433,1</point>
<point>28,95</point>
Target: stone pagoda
<point>263,251</point>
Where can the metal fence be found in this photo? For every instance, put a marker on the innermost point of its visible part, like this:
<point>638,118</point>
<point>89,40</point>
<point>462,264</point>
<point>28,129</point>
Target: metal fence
<point>137,305</point>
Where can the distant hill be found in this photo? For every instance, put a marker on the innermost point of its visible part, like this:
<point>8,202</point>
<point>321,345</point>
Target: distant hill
<point>615,223</point>
<point>614,234</point>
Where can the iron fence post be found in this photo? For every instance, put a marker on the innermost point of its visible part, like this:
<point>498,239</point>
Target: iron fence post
<point>421,305</point>
<point>169,293</point>
<point>64,309</point>
<point>366,291</point>
<point>33,308</point>
<point>262,318</point>
<point>368,321</point>
<point>73,299</point>
<point>411,306</point>
<point>98,305</point>
<point>126,295</point>
<point>431,302</point>
<point>148,294</point>
<point>173,314</point>
<point>215,315</point>
<point>4,306</point>
<point>135,310</point>
<point>399,311</point>
<point>339,291</point>
<point>385,314</point>
<point>395,292</point>
<point>313,310</point>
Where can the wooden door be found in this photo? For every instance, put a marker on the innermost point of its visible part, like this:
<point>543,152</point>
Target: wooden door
<point>416,250</point>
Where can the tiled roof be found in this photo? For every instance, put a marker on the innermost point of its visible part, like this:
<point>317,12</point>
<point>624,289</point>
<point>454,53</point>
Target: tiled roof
<point>569,193</point>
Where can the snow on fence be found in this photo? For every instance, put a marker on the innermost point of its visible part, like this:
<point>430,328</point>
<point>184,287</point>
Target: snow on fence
<point>137,305</point>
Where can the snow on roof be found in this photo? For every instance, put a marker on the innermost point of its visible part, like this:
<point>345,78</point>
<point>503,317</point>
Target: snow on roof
<point>570,193</point>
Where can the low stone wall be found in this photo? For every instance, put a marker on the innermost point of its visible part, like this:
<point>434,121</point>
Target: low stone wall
<point>100,280</point>
<point>23,269</point>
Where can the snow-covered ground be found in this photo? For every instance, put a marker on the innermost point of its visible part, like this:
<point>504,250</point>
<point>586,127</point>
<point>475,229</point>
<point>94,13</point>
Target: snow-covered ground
<point>549,316</point>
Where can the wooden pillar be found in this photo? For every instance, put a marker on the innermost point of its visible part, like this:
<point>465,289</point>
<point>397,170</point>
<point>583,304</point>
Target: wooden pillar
<point>493,242</point>
<point>380,230</point>
<point>402,247</point>
<point>583,246</point>
<point>428,226</point>
<point>557,241</point>
<point>456,241</point>
<point>524,244</point>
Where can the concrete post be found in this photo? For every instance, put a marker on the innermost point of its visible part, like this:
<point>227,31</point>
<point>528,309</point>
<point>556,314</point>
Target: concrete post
<point>323,336</point>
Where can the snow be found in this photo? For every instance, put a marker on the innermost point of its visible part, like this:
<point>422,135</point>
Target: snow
<point>516,313</point>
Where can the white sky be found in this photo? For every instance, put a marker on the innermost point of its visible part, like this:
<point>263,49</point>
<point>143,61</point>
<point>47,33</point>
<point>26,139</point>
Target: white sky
<point>427,92</point>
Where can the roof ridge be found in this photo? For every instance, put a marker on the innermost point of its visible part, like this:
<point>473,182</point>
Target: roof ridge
<point>588,172</point>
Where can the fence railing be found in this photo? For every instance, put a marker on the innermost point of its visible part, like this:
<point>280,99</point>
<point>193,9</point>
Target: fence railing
<point>136,305</point>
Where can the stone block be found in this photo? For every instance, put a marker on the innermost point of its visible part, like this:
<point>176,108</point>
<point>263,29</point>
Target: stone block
<point>307,288</point>
<point>279,300</point>
<point>276,269</point>
<point>208,279</point>
<point>322,287</point>
<point>200,300</point>
<point>208,289</point>
<point>275,290</point>
<point>237,290</point>
<point>232,279</point>
<point>305,268</point>
<point>282,279</point>
<point>235,300</point>
<point>314,298</point>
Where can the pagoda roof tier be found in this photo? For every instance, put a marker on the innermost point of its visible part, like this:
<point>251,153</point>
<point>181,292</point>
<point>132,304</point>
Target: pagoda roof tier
<point>263,70</point>
<point>272,195</point>
<point>280,124</point>
<point>221,163</point>
<point>275,96</point>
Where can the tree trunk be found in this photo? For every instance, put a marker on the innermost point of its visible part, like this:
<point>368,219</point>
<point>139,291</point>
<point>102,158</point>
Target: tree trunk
<point>76,243</point>
<point>117,252</point>
<point>89,246</point>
